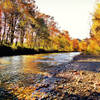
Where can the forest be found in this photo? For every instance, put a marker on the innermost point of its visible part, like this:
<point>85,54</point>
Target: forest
<point>23,26</point>
<point>39,61</point>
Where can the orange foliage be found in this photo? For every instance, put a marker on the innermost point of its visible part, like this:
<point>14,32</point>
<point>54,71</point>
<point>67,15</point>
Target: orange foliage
<point>75,44</point>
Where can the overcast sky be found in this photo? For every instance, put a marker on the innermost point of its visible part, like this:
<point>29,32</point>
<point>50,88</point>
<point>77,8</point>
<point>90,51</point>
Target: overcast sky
<point>71,15</point>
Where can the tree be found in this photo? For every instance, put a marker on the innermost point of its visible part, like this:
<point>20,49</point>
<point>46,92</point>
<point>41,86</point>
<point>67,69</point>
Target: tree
<point>94,41</point>
<point>76,44</point>
<point>24,26</point>
<point>0,16</point>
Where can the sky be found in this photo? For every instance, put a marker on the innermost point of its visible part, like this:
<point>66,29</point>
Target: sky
<point>71,15</point>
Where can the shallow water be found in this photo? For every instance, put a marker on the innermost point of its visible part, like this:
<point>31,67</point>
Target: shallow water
<point>32,71</point>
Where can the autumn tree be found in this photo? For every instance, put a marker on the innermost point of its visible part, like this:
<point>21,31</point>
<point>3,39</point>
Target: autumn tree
<point>94,41</point>
<point>75,44</point>
<point>16,14</point>
<point>0,16</point>
<point>24,26</point>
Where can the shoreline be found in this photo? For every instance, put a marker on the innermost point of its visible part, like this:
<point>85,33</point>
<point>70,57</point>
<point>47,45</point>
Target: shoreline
<point>8,51</point>
<point>66,81</point>
<point>83,78</point>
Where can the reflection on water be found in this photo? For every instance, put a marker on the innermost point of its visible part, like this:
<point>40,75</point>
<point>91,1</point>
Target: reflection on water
<point>33,63</point>
<point>29,70</point>
<point>29,66</point>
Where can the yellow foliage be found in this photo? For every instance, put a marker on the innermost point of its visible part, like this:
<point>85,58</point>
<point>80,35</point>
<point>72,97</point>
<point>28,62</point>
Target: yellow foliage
<point>93,47</point>
<point>23,10</point>
<point>97,10</point>
<point>7,5</point>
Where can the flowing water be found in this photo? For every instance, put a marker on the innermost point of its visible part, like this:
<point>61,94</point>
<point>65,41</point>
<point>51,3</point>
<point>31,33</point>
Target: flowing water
<point>28,75</point>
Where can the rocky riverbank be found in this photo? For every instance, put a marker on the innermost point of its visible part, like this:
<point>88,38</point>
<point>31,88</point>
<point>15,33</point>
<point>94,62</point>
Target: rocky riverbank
<point>83,77</point>
<point>78,80</point>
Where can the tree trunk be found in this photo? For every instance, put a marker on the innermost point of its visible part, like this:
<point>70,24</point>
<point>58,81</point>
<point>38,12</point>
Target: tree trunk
<point>12,37</point>
<point>7,36</point>
<point>22,38</point>
<point>3,36</point>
